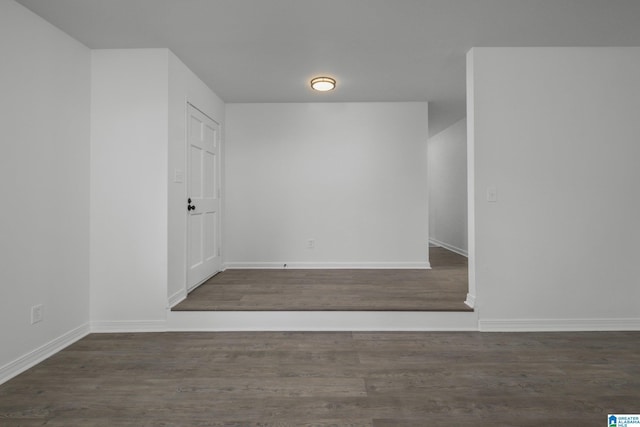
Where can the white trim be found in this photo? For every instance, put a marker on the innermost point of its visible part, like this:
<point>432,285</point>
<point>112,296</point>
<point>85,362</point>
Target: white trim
<point>41,353</point>
<point>194,287</point>
<point>177,297</point>
<point>471,300</point>
<point>559,325</point>
<point>328,265</point>
<point>449,247</point>
<point>471,177</point>
<point>128,326</point>
<point>218,321</point>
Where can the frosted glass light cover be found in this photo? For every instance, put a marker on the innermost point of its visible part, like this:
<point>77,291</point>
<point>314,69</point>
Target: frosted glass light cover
<point>323,84</point>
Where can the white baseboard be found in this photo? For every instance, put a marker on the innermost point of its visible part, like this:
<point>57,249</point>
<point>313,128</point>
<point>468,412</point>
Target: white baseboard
<point>471,300</point>
<point>41,353</point>
<point>222,321</point>
<point>559,325</point>
<point>328,265</point>
<point>452,248</point>
<point>129,326</point>
<point>177,297</point>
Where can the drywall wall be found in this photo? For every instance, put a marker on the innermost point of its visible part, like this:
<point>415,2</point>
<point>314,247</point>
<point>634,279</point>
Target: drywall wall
<point>129,151</point>
<point>448,188</point>
<point>352,177</point>
<point>184,86</point>
<point>44,185</point>
<point>556,134</point>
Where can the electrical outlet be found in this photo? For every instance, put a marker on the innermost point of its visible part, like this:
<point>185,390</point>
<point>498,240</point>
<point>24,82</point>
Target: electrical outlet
<point>311,243</point>
<point>492,194</point>
<point>36,314</point>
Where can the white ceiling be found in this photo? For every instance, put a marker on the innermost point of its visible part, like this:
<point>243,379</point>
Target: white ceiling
<point>378,50</point>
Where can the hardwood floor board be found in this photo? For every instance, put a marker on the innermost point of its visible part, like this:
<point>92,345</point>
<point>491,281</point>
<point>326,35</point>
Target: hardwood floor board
<point>196,342</point>
<point>217,423</point>
<point>540,409</point>
<point>325,408</point>
<point>150,390</point>
<point>443,420</point>
<point>487,387</point>
<point>260,364</point>
<point>261,388</point>
<point>409,358</point>
<point>310,371</point>
<point>352,303</point>
<point>220,387</point>
<point>268,411</point>
<point>425,357</point>
<point>510,420</point>
<point>428,340</point>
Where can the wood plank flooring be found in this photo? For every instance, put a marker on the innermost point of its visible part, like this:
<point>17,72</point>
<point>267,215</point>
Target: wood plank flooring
<point>338,379</point>
<point>443,288</point>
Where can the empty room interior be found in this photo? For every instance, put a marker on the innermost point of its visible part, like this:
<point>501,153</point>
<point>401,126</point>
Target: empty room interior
<point>445,230</point>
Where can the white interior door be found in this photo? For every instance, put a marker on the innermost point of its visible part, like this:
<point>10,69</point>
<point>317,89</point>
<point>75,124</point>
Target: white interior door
<point>203,203</point>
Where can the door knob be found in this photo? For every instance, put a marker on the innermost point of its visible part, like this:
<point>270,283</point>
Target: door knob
<point>191,208</point>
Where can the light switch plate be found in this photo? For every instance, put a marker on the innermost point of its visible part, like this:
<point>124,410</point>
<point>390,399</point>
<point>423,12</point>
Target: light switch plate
<point>178,175</point>
<point>36,314</point>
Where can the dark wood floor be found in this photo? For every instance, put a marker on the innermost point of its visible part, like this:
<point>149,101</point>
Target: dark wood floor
<point>443,288</point>
<point>322,379</point>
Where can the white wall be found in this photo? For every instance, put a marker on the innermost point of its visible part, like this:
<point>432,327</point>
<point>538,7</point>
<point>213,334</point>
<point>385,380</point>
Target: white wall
<point>448,188</point>
<point>129,152</point>
<point>184,86</point>
<point>352,176</point>
<point>44,185</point>
<point>139,99</point>
<point>556,131</point>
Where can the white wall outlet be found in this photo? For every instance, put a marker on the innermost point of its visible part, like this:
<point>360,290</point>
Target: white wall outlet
<point>492,194</point>
<point>36,313</point>
<point>311,243</point>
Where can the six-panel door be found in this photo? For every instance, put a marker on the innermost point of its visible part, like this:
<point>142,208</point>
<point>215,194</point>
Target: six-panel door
<point>203,228</point>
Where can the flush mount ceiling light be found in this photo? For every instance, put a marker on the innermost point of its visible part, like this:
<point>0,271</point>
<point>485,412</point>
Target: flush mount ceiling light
<point>323,84</point>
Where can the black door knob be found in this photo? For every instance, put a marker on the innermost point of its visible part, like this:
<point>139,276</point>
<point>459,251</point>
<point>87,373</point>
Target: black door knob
<point>191,208</point>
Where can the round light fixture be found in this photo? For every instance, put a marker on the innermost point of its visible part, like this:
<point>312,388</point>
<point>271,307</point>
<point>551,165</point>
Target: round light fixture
<point>323,84</point>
